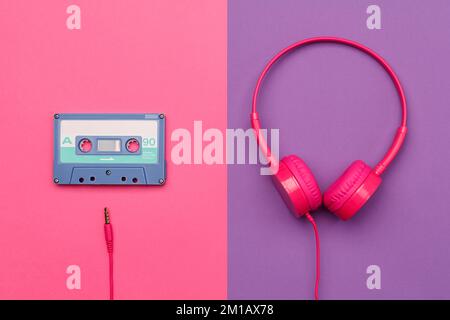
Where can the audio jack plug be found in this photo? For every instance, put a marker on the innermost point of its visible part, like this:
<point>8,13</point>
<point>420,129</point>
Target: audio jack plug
<point>109,247</point>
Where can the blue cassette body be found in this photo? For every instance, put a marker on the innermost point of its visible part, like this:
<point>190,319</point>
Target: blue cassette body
<point>109,149</point>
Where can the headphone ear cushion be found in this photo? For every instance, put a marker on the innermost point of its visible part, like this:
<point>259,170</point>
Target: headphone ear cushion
<point>305,179</point>
<point>346,185</point>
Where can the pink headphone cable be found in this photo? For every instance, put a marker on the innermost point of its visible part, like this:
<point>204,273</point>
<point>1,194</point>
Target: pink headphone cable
<point>109,246</point>
<point>316,235</point>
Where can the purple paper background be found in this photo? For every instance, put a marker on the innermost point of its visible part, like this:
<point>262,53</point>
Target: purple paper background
<point>334,105</point>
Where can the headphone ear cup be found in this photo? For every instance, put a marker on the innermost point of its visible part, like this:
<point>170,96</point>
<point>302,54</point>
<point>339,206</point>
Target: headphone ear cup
<point>351,190</point>
<point>297,185</point>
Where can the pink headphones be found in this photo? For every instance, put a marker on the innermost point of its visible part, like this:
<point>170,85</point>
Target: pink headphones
<point>356,185</point>
<point>295,181</point>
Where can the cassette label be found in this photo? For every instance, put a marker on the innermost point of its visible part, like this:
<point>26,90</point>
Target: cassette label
<point>128,146</point>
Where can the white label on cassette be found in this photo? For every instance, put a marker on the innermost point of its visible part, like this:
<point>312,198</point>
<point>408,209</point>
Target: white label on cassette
<point>146,130</point>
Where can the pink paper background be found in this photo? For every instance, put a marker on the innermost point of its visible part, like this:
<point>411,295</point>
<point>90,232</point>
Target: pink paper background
<point>129,56</point>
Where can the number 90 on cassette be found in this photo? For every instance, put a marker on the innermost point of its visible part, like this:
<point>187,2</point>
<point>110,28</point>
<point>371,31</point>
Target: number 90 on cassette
<point>109,149</point>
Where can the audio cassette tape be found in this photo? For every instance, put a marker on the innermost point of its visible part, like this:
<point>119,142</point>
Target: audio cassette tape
<point>109,149</point>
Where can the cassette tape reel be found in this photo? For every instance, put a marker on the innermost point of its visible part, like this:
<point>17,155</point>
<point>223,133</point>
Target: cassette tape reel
<point>109,149</point>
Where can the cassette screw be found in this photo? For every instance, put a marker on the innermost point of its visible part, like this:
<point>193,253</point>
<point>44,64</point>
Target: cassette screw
<point>161,116</point>
<point>56,180</point>
<point>161,181</point>
<point>56,116</point>
<point>108,172</point>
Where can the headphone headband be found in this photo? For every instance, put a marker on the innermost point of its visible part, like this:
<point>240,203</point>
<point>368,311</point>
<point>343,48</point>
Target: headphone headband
<point>401,131</point>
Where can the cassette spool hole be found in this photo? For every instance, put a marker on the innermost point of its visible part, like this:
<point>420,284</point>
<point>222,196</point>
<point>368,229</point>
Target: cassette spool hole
<point>133,145</point>
<point>85,145</point>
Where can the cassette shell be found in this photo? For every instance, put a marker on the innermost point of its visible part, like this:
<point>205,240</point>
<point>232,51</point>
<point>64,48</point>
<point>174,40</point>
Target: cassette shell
<point>136,172</point>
